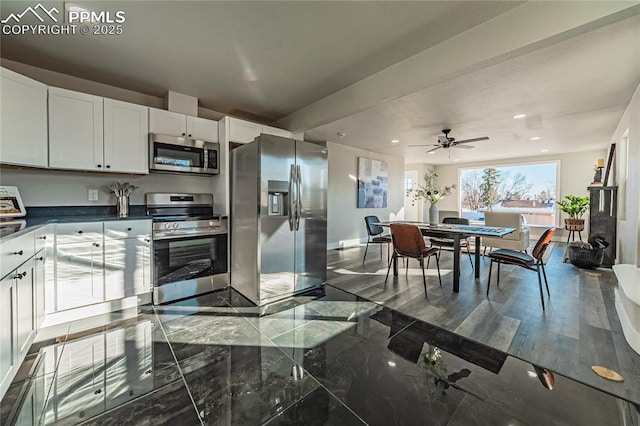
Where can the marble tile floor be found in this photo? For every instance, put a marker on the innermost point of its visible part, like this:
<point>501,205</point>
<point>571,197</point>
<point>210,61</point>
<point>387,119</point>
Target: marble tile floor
<point>580,327</point>
<point>324,358</point>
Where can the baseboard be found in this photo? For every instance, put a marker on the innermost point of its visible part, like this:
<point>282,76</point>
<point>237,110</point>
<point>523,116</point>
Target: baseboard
<point>355,242</point>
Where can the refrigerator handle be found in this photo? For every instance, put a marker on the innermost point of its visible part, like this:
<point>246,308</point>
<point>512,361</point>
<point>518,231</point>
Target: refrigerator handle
<point>292,177</point>
<point>298,196</point>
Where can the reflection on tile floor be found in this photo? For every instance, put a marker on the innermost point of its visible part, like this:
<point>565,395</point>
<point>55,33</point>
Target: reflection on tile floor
<point>326,358</point>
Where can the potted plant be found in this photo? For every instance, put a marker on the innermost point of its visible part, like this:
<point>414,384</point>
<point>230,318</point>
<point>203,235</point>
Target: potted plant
<point>575,207</point>
<point>431,191</point>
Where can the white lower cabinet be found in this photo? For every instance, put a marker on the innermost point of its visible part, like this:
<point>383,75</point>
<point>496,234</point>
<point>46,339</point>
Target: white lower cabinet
<point>127,265</point>
<point>8,352</point>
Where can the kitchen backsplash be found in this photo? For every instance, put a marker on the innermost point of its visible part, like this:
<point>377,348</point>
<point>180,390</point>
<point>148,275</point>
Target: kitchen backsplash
<point>61,188</point>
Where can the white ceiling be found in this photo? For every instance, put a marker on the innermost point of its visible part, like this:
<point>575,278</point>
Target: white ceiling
<point>375,71</point>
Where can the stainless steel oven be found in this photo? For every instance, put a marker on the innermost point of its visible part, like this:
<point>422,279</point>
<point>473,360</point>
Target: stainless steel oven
<point>171,154</point>
<point>189,246</point>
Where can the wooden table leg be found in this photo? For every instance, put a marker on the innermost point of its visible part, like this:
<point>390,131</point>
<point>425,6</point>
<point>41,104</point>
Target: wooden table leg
<point>395,265</point>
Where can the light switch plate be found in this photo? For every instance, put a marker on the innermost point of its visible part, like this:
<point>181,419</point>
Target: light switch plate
<point>93,195</point>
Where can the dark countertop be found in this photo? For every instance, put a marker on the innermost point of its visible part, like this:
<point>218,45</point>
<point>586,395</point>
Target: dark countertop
<point>41,216</point>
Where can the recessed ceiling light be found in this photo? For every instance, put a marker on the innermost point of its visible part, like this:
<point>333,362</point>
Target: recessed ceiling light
<point>520,116</point>
<point>341,134</point>
<point>395,141</point>
<point>391,363</point>
<point>456,159</point>
<point>431,153</point>
<point>535,138</point>
<point>544,150</point>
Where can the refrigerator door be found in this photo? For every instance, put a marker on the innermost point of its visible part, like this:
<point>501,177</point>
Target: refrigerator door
<point>311,223</point>
<point>277,279</point>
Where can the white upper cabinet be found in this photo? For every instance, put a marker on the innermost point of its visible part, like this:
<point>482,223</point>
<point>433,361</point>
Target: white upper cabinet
<point>243,131</point>
<point>23,120</point>
<point>167,122</point>
<point>75,130</point>
<point>89,132</point>
<point>201,128</point>
<point>126,128</point>
<point>176,124</point>
<point>277,132</point>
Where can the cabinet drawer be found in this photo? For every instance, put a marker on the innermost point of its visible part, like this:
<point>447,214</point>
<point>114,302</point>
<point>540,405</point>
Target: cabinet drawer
<point>121,229</point>
<point>42,236</point>
<point>15,252</point>
<point>76,232</point>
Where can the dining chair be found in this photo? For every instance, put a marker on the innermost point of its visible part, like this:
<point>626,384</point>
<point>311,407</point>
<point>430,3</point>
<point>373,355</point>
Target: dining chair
<point>531,261</point>
<point>374,236</point>
<point>408,242</point>
<point>448,243</point>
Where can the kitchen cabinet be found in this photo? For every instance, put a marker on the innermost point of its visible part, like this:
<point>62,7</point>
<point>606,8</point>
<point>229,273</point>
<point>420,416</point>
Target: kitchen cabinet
<point>23,118</point>
<point>18,307</point>
<point>127,258</point>
<point>175,124</point>
<point>79,265</point>
<point>75,130</point>
<point>277,132</point>
<point>243,131</point>
<point>126,130</point>
<point>91,133</point>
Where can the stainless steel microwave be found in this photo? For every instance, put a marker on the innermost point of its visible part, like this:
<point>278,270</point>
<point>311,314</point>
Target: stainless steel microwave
<point>172,154</point>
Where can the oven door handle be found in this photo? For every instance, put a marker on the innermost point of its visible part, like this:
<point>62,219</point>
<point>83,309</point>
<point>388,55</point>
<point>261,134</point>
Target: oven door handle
<point>292,177</point>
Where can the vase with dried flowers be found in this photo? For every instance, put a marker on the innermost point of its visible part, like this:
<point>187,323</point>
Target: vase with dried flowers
<point>432,192</point>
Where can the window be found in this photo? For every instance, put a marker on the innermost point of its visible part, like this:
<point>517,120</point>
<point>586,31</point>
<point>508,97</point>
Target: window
<point>526,188</point>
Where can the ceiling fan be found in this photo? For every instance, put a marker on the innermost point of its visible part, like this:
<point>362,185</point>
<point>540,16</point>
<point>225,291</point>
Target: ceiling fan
<point>444,141</point>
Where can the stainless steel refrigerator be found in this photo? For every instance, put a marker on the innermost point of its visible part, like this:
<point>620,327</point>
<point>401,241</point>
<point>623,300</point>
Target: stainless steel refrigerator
<point>278,218</point>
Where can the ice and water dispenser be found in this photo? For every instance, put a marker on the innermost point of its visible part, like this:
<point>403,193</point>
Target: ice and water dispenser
<point>278,199</point>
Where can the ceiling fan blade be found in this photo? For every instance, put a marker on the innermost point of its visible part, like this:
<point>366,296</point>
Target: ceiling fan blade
<point>436,148</point>
<point>423,145</point>
<point>484,138</point>
<point>463,146</point>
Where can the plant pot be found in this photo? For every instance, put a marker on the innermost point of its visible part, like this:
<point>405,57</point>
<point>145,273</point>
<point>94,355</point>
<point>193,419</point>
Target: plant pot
<point>434,214</point>
<point>574,224</point>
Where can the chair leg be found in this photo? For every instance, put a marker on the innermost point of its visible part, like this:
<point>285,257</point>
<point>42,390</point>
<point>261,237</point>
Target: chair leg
<point>469,253</point>
<point>580,235</point>
<point>489,280</point>
<point>388,269</point>
<point>544,274</point>
<point>380,251</point>
<point>540,286</point>
<point>406,269</point>
<point>424,278</point>
<point>438,266</point>
<point>365,252</point>
<point>498,281</point>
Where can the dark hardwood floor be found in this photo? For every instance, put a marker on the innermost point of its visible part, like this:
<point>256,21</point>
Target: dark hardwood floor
<point>579,329</point>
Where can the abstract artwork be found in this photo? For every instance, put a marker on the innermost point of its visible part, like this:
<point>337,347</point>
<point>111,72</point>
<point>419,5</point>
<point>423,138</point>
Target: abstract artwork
<point>373,180</point>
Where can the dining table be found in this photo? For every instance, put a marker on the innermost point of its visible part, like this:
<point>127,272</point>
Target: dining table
<point>456,233</point>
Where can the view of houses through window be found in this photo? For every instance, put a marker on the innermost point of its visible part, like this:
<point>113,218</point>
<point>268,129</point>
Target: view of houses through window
<point>530,189</point>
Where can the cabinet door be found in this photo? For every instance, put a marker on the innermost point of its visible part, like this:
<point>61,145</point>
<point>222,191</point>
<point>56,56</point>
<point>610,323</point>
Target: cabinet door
<point>127,267</point>
<point>25,298</point>
<point>277,132</point>
<point>40,268</point>
<point>79,274</point>
<point>126,130</point>
<point>167,122</point>
<point>243,131</point>
<point>75,130</point>
<point>23,114</point>
<point>8,352</point>
<point>201,128</point>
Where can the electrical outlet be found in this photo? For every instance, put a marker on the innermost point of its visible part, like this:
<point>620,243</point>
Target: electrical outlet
<point>93,195</point>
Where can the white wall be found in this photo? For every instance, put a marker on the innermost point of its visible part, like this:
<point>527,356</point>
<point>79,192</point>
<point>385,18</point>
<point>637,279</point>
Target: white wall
<point>422,168</point>
<point>345,222</point>
<point>66,188</point>
<point>576,174</point>
<point>629,178</point>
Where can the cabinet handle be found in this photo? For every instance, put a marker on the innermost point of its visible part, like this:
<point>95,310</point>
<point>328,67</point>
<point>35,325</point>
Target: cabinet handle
<point>44,237</point>
<point>41,258</point>
<point>128,229</point>
<point>96,245</point>
<point>20,276</point>
<point>80,232</point>
<point>97,392</point>
<point>183,134</point>
<point>189,135</point>
<point>108,166</point>
<point>19,253</point>
<point>146,240</point>
<point>99,165</point>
